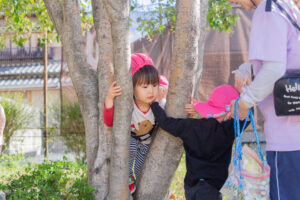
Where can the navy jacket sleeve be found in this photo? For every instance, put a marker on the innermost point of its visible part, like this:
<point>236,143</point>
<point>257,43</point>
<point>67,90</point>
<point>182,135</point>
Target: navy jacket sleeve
<point>174,126</point>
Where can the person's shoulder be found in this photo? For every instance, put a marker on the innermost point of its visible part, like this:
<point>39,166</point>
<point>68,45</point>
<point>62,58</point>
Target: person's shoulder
<point>260,12</point>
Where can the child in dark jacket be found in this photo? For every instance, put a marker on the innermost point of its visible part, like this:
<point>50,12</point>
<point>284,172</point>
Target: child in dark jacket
<point>207,143</point>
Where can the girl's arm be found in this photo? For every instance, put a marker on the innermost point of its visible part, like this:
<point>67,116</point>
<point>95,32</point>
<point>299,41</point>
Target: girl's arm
<point>108,110</point>
<point>108,116</point>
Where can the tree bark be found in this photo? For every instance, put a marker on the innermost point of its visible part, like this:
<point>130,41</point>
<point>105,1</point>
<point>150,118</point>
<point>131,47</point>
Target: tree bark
<point>84,79</point>
<point>55,12</point>
<point>118,13</point>
<point>166,150</point>
<point>201,45</point>
<point>100,178</point>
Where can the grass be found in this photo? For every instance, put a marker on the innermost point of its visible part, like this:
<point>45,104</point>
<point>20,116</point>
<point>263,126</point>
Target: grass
<point>177,188</point>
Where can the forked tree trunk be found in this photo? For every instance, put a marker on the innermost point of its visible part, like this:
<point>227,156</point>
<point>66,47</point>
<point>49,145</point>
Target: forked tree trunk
<point>108,154</point>
<point>166,150</point>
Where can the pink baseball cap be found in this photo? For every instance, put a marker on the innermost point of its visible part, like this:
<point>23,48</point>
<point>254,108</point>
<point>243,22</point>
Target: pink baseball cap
<point>163,81</point>
<point>139,60</point>
<point>218,103</point>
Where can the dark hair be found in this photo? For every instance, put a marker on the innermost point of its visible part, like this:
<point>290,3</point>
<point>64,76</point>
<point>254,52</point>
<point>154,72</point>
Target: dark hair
<point>145,75</point>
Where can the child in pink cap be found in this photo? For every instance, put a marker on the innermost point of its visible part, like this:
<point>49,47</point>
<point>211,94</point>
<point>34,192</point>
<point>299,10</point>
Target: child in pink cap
<point>207,142</point>
<point>145,89</point>
<point>163,90</point>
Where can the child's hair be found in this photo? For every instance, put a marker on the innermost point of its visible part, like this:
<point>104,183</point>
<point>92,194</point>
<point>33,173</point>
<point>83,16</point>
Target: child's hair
<point>148,74</point>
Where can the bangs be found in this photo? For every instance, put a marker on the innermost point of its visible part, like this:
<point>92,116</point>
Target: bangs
<point>146,75</point>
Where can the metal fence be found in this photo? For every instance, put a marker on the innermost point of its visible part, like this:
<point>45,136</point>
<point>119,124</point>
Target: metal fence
<point>24,53</point>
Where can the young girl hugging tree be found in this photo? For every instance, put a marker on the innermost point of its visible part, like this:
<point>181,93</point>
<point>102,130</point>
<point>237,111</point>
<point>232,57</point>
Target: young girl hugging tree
<point>145,81</point>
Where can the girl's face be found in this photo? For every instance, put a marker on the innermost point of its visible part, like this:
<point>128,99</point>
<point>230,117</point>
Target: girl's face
<point>145,93</point>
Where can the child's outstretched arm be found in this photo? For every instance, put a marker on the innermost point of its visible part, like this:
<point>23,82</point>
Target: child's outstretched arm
<point>108,109</point>
<point>174,126</point>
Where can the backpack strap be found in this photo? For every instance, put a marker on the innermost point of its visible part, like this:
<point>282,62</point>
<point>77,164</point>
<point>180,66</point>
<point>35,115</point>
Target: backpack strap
<point>268,6</point>
<point>287,15</point>
<point>269,9</point>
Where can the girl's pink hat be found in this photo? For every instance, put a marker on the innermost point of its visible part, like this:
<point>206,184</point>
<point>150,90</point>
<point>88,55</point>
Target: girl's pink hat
<point>218,103</point>
<point>163,81</point>
<point>139,60</point>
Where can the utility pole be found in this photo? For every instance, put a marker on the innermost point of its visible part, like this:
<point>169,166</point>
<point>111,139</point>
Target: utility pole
<point>45,98</point>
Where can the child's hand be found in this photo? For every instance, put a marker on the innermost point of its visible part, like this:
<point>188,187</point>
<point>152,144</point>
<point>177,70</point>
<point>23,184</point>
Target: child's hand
<point>241,76</point>
<point>239,83</point>
<point>190,108</point>
<point>113,92</point>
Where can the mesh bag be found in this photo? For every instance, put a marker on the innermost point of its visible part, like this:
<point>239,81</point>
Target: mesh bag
<point>250,174</point>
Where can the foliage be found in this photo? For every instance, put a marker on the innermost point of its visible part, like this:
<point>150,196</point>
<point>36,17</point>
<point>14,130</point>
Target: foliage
<point>18,20</point>
<point>50,180</point>
<point>18,116</point>
<point>71,125</point>
<point>10,164</point>
<point>219,16</point>
<point>23,17</point>
<point>163,15</point>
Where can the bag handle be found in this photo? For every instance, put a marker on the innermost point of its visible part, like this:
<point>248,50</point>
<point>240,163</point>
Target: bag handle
<point>238,134</point>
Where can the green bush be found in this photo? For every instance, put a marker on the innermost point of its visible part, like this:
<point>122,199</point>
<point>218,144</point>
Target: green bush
<point>18,116</point>
<point>50,180</point>
<point>71,125</point>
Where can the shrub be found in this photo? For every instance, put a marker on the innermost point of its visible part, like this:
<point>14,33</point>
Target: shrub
<point>71,125</point>
<point>50,180</point>
<point>18,116</point>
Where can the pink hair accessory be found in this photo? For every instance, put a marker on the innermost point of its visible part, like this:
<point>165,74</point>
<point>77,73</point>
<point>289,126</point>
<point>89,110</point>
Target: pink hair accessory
<point>163,81</point>
<point>139,60</point>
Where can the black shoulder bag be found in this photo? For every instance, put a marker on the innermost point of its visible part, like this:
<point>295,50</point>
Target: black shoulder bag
<point>286,89</point>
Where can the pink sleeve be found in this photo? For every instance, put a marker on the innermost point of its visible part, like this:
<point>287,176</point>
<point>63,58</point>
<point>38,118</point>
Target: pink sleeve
<point>2,124</point>
<point>108,116</point>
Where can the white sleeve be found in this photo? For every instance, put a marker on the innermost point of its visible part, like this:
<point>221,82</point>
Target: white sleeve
<point>244,71</point>
<point>263,83</point>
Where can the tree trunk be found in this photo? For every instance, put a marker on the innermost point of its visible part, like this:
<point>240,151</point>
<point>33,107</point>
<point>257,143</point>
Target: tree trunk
<point>100,178</point>
<point>108,154</point>
<point>67,22</point>
<point>166,150</point>
<point>201,45</point>
<point>118,12</point>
